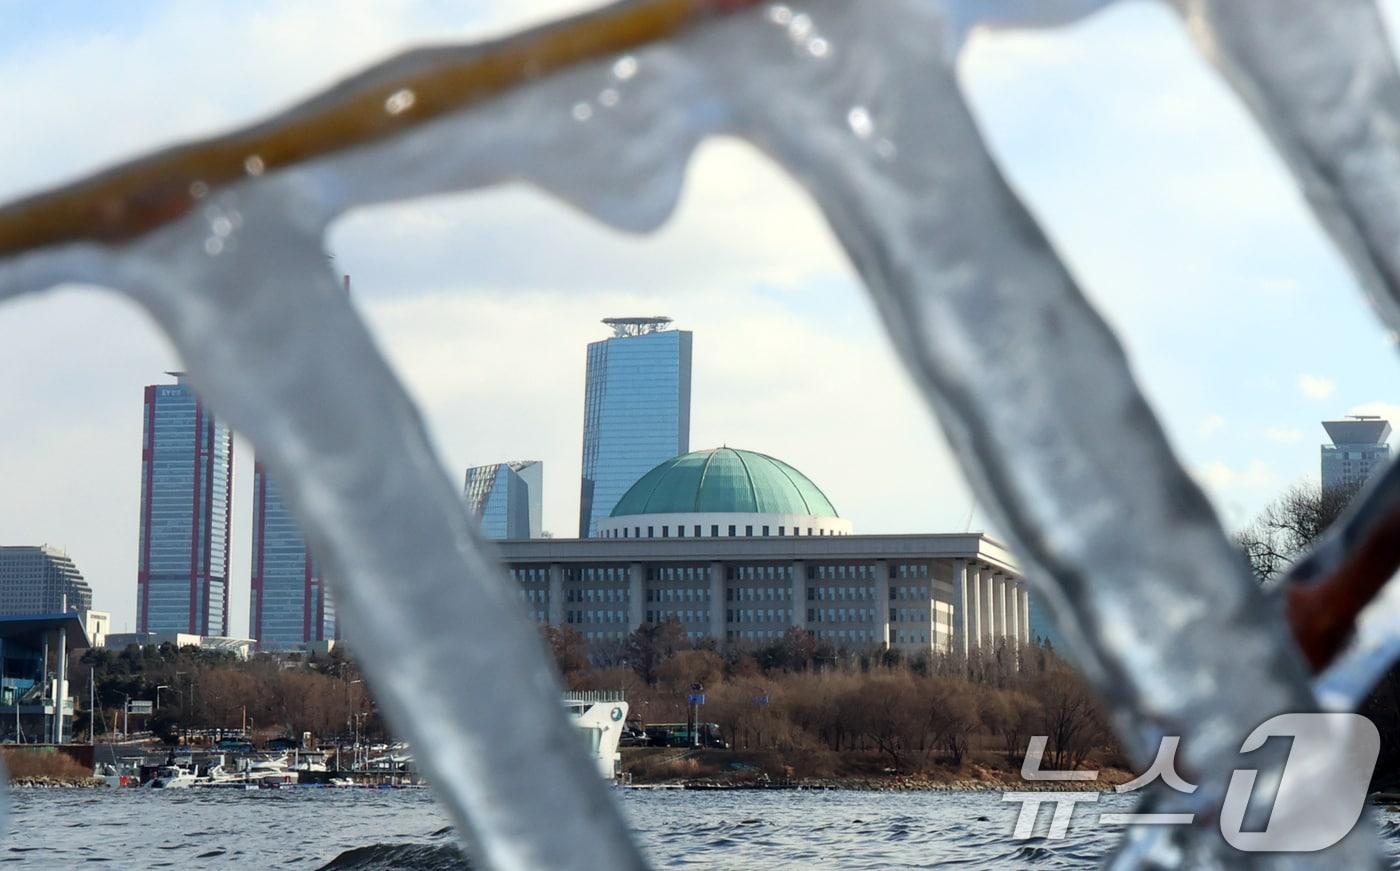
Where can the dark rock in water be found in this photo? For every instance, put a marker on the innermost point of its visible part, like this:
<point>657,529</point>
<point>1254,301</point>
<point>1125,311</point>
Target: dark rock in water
<point>400,857</point>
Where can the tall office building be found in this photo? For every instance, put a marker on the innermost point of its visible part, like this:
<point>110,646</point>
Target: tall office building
<point>289,604</point>
<point>636,410</point>
<point>186,492</point>
<point>506,498</point>
<point>38,580</point>
<point>1359,447</point>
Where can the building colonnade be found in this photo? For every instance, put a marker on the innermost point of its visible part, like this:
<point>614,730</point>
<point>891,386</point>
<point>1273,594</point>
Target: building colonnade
<point>976,606</point>
<point>989,606</point>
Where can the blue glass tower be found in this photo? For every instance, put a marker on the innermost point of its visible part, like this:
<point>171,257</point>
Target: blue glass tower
<point>289,604</point>
<point>636,411</point>
<point>1041,628</point>
<point>506,498</point>
<point>186,492</point>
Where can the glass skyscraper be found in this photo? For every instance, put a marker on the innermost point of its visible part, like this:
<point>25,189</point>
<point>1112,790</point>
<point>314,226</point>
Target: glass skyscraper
<point>506,498</point>
<point>186,491</point>
<point>1359,447</point>
<point>289,604</point>
<point>636,411</point>
<point>37,580</point>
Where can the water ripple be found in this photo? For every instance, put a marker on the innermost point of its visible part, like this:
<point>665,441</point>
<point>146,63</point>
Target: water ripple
<point>367,830</point>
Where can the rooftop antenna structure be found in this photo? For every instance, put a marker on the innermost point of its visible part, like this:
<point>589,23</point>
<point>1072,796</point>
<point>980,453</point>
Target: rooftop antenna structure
<point>626,327</point>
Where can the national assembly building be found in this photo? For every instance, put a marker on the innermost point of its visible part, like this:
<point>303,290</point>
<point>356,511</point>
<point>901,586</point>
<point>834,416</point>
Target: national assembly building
<point>735,545</point>
<point>739,546</point>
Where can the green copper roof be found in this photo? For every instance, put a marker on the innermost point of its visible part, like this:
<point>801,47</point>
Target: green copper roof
<point>724,480</point>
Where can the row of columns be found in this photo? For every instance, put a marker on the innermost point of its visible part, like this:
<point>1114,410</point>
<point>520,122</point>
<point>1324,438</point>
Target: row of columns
<point>989,605</point>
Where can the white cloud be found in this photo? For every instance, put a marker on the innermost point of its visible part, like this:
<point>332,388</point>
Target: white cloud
<point>1388,410</point>
<point>1211,425</point>
<point>1221,480</point>
<point>1316,387</point>
<point>1282,435</point>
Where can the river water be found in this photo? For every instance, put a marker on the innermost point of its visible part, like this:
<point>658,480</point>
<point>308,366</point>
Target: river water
<point>377,830</point>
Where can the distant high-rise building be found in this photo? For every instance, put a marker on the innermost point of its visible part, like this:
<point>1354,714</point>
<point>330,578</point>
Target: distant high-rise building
<point>186,493</point>
<point>506,498</point>
<point>289,604</point>
<point>1359,447</point>
<point>36,580</point>
<point>636,410</point>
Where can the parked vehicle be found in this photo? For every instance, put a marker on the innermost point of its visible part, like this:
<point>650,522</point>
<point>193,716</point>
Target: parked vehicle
<point>634,736</point>
<point>234,745</point>
<point>679,735</point>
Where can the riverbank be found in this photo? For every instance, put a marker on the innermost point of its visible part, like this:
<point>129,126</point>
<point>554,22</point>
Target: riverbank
<point>731,769</point>
<point>42,782</point>
<point>46,766</point>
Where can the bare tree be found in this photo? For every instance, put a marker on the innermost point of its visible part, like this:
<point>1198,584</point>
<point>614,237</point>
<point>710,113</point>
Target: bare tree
<point>1069,715</point>
<point>652,644</point>
<point>1287,528</point>
<point>1012,716</point>
<point>570,651</point>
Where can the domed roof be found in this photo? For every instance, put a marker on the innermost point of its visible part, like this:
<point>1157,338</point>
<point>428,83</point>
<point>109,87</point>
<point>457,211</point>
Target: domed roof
<point>724,480</point>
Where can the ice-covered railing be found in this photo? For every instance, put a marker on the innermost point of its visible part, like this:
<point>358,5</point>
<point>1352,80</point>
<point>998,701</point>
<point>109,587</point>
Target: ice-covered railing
<point>221,242</point>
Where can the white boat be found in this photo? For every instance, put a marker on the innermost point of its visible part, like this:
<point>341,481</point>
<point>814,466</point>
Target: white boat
<point>309,760</point>
<point>268,770</point>
<point>171,777</point>
<point>600,714</point>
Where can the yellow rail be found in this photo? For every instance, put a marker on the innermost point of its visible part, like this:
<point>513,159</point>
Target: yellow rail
<point>131,199</point>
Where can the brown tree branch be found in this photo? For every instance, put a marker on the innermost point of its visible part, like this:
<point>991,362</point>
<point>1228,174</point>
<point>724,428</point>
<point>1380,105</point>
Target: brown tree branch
<point>132,199</point>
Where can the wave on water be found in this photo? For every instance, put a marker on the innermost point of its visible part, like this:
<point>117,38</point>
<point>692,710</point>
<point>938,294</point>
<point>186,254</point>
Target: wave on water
<point>400,857</point>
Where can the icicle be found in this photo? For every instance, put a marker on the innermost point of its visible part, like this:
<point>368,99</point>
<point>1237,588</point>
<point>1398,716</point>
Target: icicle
<point>860,103</point>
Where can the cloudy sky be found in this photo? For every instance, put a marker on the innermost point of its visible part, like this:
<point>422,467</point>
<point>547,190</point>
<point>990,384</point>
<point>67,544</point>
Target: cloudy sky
<point>1243,326</point>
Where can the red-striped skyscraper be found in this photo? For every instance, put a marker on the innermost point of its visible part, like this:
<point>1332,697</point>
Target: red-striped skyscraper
<point>289,604</point>
<point>186,496</point>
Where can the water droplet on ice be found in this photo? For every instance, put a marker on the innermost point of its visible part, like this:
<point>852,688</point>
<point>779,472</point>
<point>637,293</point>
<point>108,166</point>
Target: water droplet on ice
<point>582,111</point>
<point>860,122</point>
<point>818,47</point>
<point>253,165</point>
<point>399,101</point>
<point>780,14</point>
<point>608,97</point>
<point>221,226</point>
<point>213,245</point>
<point>625,68</point>
<point>199,190</point>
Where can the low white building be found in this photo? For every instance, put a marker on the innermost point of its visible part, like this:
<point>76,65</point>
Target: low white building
<point>98,624</point>
<point>240,647</point>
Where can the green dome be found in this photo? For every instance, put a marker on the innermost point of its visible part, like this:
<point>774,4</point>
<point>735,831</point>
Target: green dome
<point>724,481</point>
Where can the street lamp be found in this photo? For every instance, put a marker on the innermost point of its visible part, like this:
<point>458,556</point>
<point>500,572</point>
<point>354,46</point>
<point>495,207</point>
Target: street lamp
<point>158,689</point>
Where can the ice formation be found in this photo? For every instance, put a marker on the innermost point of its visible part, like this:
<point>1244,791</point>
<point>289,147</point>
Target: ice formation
<point>860,102</point>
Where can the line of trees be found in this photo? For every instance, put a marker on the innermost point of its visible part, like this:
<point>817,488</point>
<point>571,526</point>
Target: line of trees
<point>200,689</point>
<point>829,708</point>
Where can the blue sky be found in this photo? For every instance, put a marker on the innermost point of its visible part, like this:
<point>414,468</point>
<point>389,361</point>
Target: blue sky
<point>1243,326</point>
